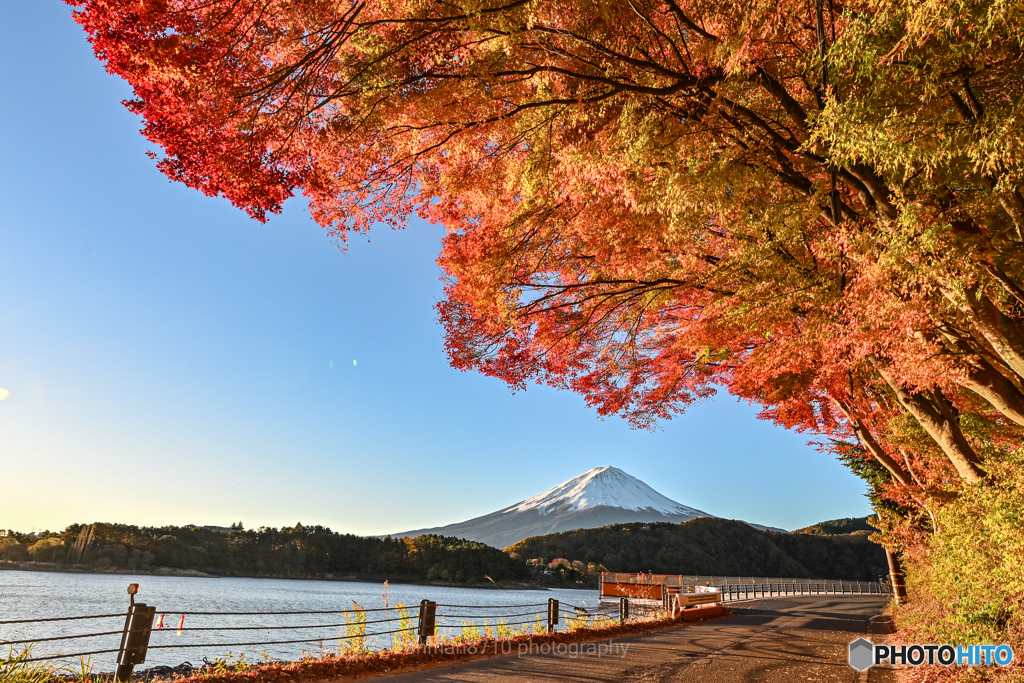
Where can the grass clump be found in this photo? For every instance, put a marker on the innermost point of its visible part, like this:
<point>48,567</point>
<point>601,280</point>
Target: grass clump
<point>18,667</point>
<point>355,630</point>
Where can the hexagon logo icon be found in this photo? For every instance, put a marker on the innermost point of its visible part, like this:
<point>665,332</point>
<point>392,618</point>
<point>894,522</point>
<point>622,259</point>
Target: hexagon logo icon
<point>862,654</point>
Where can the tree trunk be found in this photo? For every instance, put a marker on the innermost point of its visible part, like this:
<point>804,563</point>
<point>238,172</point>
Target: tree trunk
<point>987,382</point>
<point>872,446</point>
<point>999,330</point>
<point>1013,204</point>
<point>899,586</point>
<point>937,419</point>
<point>982,349</point>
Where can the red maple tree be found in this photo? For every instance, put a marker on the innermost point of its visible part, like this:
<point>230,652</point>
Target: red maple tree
<point>815,207</point>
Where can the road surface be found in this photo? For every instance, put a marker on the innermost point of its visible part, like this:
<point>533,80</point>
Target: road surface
<point>777,640</point>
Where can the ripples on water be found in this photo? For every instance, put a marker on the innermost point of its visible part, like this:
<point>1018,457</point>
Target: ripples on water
<point>28,595</point>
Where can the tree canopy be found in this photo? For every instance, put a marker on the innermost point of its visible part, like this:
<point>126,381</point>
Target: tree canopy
<point>816,206</point>
<point>299,551</point>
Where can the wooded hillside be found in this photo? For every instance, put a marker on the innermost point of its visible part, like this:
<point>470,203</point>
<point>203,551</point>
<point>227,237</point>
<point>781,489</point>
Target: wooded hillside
<point>713,546</point>
<point>299,551</point>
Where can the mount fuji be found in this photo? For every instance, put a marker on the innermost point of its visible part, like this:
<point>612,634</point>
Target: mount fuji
<point>598,497</point>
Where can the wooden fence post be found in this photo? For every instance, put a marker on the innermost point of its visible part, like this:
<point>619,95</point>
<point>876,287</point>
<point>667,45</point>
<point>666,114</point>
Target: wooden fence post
<point>623,610</point>
<point>138,625</point>
<point>428,620</point>
<point>552,614</point>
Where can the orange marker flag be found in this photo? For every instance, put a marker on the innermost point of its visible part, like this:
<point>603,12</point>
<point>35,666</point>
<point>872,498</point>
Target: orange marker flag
<point>181,624</point>
<point>159,622</point>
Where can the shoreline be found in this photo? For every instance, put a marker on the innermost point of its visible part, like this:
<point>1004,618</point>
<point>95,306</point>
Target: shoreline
<point>53,567</point>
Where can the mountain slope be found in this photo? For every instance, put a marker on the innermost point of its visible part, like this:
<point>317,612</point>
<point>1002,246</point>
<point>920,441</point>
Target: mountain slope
<point>836,527</point>
<point>712,546</point>
<point>599,497</point>
<point>605,487</point>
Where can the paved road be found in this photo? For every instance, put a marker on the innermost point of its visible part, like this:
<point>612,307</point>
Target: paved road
<point>780,640</point>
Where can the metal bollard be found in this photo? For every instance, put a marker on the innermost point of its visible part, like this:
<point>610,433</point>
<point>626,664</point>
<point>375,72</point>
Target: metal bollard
<point>138,625</point>
<point>428,621</point>
<point>552,614</point>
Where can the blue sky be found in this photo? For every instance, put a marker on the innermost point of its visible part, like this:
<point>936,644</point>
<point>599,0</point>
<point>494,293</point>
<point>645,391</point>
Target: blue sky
<point>170,361</point>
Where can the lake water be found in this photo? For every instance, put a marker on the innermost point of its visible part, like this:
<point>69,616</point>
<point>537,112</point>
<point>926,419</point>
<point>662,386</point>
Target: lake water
<point>34,595</point>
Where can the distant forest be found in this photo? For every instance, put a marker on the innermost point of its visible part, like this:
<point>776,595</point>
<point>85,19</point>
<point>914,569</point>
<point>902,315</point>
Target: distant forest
<point>839,549</point>
<point>299,551</point>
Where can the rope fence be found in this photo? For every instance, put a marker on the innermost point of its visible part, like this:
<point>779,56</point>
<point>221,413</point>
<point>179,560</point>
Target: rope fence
<point>34,621</point>
<point>489,616</point>
<point>413,625</point>
<point>46,658</point>
<point>46,640</point>
<point>187,629</point>
<point>239,614</point>
<point>535,604</point>
<point>417,624</point>
<point>280,642</point>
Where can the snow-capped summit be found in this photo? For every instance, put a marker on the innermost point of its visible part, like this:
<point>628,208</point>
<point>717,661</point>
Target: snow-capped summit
<point>598,497</point>
<point>608,487</point>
